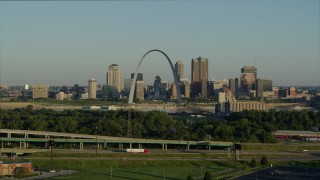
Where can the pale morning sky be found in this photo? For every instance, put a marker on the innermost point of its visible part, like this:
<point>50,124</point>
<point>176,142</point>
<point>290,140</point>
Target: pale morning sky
<point>70,42</point>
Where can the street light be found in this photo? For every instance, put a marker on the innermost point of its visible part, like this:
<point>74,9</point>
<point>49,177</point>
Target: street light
<point>51,144</point>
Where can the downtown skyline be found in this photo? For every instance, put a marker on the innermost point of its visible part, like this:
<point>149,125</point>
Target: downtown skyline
<point>60,43</point>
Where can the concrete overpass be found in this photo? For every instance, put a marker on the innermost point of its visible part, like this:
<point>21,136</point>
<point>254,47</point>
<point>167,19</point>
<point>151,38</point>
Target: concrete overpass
<point>25,137</point>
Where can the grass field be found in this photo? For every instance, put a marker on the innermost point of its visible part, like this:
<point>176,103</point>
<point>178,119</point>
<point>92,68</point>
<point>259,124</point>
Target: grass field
<point>142,173</point>
<point>144,169</point>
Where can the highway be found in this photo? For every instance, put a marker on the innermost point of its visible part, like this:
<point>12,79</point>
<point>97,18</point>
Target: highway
<point>25,137</point>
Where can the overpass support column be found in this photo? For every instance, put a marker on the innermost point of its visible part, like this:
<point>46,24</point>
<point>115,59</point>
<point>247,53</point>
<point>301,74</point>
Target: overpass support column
<point>26,136</point>
<point>140,147</point>
<point>188,146</point>
<point>105,144</point>
<point>120,146</point>
<point>81,146</point>
<point>9,136</point>
<point>166,146</point>
<point>209,146</point>
<point>130,145</point>
<point>22,145</point>
<point>162,146</point>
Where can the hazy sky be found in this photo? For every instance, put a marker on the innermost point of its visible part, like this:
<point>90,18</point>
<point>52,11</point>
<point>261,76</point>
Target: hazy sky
<point>70,42</point>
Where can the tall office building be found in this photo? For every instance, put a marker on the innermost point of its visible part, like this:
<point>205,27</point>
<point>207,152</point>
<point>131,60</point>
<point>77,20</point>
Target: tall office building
<point>263,85</point>
<point>139,76</point>
<point>109,92</point>
<point>234,86</point>
<point>259,88</point>
<point>292,91</point>
<point>199,77</point>
<point>127,86</point>
<point>187,90</point>
<point>165,85</point>
<point>92,89</point>
<point>158,88</point>
<point>173,91</point>
<point>204,88</point>
<point>140,90</point>
<point>179,67</point>
<point>40,91</point>
<point>248,78</point>
<point>199,69</point>
<point>114,76</point>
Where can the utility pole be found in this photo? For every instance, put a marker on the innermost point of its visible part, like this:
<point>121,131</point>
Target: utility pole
<point>51,145</point>
<point>235,148</point>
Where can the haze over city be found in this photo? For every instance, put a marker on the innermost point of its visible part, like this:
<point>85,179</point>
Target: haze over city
<point>70,42</point>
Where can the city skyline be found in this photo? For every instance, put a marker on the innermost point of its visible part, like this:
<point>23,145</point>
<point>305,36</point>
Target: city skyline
<point>61,43</point>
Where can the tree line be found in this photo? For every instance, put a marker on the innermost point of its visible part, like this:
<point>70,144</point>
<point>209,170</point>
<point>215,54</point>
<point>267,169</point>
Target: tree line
<point>245,126</point>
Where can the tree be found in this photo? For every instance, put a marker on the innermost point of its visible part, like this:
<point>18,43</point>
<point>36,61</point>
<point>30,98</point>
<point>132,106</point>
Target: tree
<point>264,160</point>
<point>190,177</point>
<point>253,163</point>
<point>207,176</point>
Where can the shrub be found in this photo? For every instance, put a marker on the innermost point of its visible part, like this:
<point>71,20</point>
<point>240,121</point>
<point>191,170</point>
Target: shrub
<point>253,163</point>
<point>207,176</point>
<point>190,177</point>
<point>264,160</point>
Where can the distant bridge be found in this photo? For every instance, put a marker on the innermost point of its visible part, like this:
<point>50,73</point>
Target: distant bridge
<point>25,137</point>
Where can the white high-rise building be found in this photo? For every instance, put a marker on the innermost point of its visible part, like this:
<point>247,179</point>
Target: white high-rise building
<point>92,89</point>
<point>114,76</point>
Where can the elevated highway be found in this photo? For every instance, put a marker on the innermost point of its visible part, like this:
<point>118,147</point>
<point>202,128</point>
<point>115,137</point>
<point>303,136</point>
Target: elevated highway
<point>25,137</point>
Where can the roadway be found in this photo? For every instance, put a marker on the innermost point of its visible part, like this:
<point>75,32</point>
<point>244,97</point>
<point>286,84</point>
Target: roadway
<point>30,136</point>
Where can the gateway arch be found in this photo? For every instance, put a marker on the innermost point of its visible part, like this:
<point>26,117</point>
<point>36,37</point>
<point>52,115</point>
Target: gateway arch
<point>133,83</point>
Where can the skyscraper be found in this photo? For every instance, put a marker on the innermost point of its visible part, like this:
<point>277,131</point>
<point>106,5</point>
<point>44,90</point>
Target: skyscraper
<point>259,88</point>
<point>187,90</point>
<point>92,89</point>
<point>204,88</point>
<point>199,69</point>
<point>179,67</point>
<point>263,85</point>
<point>199,77</point>
<point>173,91</point>
<point>248,78</point>
<point>139,76</point>
<point>140,90</point>
<point>127,86</point>
<point>114,76</point>
<point>234,86</point>
<point>109,92</point>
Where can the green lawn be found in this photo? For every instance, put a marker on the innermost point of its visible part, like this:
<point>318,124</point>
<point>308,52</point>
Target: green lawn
<point>141,173</point>
<point>136,169</point>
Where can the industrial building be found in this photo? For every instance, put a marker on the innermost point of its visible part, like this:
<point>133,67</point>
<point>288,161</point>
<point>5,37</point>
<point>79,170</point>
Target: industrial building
<point>11,168</point>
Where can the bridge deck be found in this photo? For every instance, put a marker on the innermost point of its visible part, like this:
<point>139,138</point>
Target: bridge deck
<point>84,138</point>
